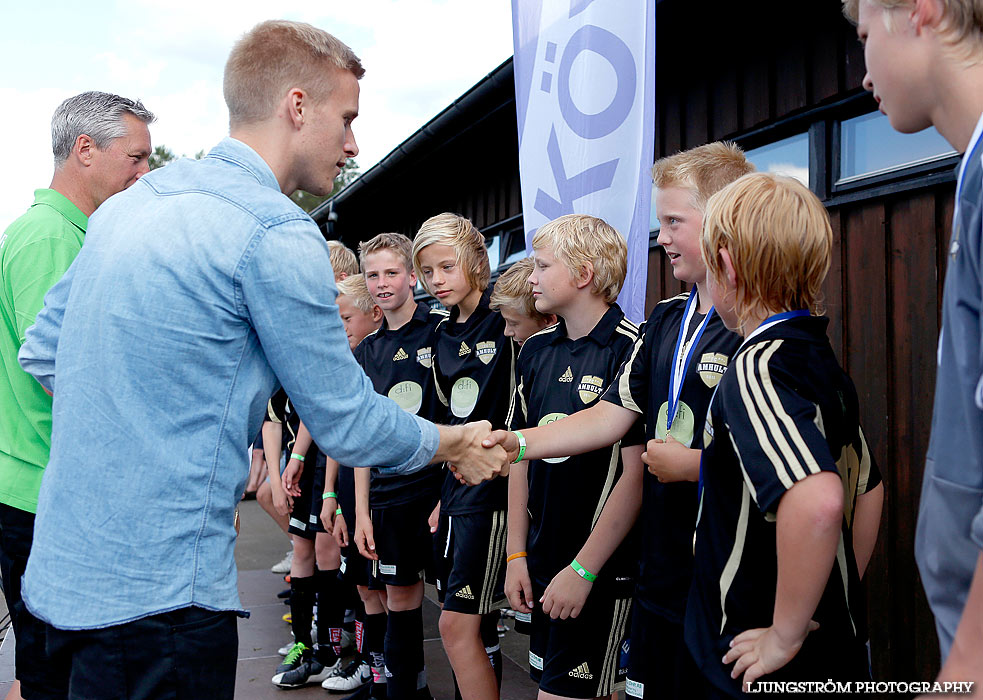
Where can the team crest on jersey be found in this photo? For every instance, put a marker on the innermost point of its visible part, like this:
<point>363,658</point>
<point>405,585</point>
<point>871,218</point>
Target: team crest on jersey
<point>567,376</point>
<point>485,350</point>
<point>710,368</point>
<point>590,388</point>
<point>463,350</point>
<point>424,357</point>
<point>400,355</point>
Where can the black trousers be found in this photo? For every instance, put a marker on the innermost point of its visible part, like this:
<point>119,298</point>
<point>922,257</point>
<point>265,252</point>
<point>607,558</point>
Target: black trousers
<point>186,654</point>
<point>40,678</point>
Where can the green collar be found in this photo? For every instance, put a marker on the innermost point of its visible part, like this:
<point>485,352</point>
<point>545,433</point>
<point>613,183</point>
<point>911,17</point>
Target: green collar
<point>63,205</point>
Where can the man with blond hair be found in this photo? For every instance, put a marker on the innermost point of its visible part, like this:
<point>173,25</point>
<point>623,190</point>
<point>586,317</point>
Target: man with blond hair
<point>924,63</point>
<point>172,329</point>
<point>101,146</point>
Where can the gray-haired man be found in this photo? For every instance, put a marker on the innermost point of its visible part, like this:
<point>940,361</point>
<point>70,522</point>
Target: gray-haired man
<point>101,145</point>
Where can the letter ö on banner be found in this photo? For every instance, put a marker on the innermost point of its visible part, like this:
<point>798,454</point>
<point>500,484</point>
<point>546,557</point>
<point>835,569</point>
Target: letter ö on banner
<point>593,179</point>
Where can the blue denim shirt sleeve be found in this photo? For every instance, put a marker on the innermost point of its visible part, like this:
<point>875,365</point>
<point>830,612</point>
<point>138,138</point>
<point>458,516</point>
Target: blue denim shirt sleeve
<point>37,354</point>
<point>288,292</point>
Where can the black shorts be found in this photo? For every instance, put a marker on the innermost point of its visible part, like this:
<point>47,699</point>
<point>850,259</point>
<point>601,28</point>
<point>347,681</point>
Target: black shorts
<point>658,657</point>
<point>353,565</point>
<point>403,541</point>
<point>305,518</point>
<point>585,656</point>
<point>469,559</point>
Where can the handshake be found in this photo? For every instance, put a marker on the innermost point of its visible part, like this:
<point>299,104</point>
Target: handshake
<point>474,453</point>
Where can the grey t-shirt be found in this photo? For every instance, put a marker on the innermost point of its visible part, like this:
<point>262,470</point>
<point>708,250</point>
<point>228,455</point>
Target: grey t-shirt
<point>950,519</point>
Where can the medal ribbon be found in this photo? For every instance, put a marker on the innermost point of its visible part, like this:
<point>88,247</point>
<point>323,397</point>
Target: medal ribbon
<point>682,359</point>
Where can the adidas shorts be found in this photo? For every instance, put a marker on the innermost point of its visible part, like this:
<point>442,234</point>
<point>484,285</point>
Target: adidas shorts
<point>305,518</point>
<point>469,559</point>
<point>585,656</point>
<point>658,657</point>
<point>403,541</point>
<point>355,568</point>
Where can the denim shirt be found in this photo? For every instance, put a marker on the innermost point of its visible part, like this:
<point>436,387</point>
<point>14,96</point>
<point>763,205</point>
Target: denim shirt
<point>198,291</point>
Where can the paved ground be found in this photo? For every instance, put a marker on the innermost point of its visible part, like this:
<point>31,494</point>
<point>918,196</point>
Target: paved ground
<point>260,545</point>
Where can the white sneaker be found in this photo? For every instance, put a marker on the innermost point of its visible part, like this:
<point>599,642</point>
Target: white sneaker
<point>284,650</point>
<point>353,676</point>
<point>283,566</point>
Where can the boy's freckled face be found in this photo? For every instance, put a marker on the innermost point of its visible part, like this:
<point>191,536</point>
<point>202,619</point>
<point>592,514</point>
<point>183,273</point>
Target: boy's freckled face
<point>897,66</point>
<point>553,286</point>
<point>388,280</point>
<point>679,233</point>
<point>357,323</point>
<point>518,326</point>
<point>443,275</point>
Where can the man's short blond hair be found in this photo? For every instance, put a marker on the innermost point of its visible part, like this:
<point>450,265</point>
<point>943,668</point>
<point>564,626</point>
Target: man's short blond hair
<point>399,244</point>
<point>779,239</point>
<point>703,170</point>
<point>513,291</point>
<point>343,260</point>
<point>275,56</point>
<point>466,240</point>
<point>578,239</point>
<point>961,26</point>
<point>355,289</point>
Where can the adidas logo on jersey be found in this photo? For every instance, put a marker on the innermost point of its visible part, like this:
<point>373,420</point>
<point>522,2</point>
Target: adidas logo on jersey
<point>464,349</point>
<point>465,593</point>
<point>567,376</point>
<point>400,355</point>
<point>581,672</point>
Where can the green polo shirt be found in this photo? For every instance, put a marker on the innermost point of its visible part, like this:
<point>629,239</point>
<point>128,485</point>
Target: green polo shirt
<point>35,251</point>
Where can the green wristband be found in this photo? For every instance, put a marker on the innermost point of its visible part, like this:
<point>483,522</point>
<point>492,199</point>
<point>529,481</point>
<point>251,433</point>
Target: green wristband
<point>522,446</point>
<point>294,455</point>
<point>338,512</point>
<point>582,572</point>
<point>328,494</point>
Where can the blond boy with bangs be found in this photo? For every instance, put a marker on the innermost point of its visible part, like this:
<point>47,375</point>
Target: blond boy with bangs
<point>925,68</point>
<point>512,298</point>
<point>776,587</point>
<point>473,365</point>
<point>343,260</point>
<point>568,515</point>
<point>391,512</point>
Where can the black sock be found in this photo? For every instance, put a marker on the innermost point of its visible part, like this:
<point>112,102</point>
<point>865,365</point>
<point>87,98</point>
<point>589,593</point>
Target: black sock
<point>404,653</point>
<point>493,648</point>
<point>302,608</point>
<point>330,615</point>
<point>457,688</point>
<point>373,643</point>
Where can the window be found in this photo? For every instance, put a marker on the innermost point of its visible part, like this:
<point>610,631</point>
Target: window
<point>786,157</point>
<point>869,147</point>
<point>493,246</point>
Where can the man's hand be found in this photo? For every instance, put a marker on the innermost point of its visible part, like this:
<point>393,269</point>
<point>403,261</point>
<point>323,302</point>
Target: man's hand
<point>340,532</point>
<point>518,585</point>
<point>505,438</point>
<point>365,537</point>
<point>329,506</point>
<point>566,594</point>
<point>461,448</point>
<point>670,460</point>
<point>762,651</point>
<point>291,477</point>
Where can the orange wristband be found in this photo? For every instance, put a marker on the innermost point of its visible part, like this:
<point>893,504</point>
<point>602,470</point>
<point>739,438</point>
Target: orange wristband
<point>517,555</point>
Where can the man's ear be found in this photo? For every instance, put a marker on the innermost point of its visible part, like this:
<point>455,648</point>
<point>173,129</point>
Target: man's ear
<point>586,275</point>
<point>83,149</point>
<point>295,103</point>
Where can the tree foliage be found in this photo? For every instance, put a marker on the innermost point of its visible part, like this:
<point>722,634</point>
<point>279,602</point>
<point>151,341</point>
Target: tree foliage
<point>308,201</point>
<point>163,155</point>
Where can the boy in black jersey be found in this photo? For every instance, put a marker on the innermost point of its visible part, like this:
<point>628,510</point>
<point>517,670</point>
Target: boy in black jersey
<point>512,298</point>
<point>391,511</point>
<point>360,316</point>
<point>776,586</point>
<point>473,366</point>
<point>555,505</point>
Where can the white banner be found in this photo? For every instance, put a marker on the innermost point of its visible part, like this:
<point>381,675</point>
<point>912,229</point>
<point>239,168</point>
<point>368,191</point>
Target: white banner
<point>585,103</point>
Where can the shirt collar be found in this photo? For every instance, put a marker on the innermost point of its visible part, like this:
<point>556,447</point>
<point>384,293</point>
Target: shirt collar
<point>601,332</point>
<point>235,151</point>
<point>480,311</point>
<point>63,205</point>
<point>420,315</point>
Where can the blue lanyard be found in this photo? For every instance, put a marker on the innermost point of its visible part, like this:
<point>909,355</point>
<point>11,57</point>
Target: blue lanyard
<point>769,322</point>
<point>680,359</point>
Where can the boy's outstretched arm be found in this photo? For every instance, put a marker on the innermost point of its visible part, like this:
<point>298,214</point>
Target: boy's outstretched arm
<point>866,522</point>
<point>600,425</point>
<point>567,592</point>
<point>809,523</point>
<point>518,584</point>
